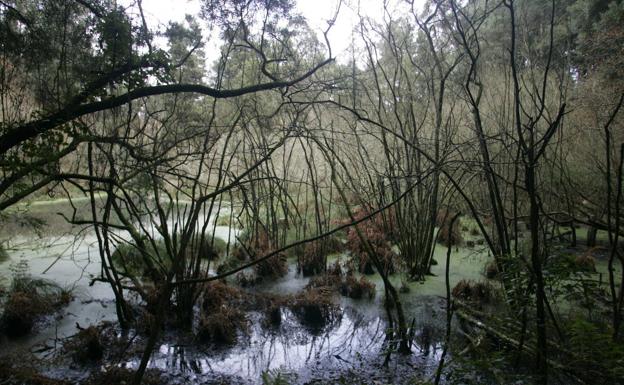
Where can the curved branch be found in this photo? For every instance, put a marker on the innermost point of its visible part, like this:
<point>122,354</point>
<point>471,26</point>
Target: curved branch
<point>17,135</point>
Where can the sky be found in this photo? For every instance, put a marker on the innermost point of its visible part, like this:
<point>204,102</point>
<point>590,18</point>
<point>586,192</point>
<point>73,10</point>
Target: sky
<point>317,12</point>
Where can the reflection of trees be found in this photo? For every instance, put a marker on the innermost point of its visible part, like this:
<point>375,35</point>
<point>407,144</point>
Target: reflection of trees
<point>289,347</point>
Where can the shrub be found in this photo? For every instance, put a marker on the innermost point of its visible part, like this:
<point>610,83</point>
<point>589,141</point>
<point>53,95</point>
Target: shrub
<point>260,244</point>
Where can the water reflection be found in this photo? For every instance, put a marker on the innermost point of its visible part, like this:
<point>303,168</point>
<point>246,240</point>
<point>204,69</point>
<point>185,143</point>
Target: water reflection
<point>353,341</point>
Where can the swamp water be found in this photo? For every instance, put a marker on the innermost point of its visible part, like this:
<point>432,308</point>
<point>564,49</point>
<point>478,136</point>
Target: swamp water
<point>351,346</point>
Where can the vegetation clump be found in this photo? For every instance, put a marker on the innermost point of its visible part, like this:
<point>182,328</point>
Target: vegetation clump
<point>491,270</point>
<point>3,253</point>
<point>221,316</point>
<point>477,292</point>
<point>247,279</point>
<point>86,346</point>
<point>312,260</point>
<point>348,285</point>
<point>257,245</point>
<point>221,326</point>
<point>446,234</point>
<point>357,288</point>
<point>380,236</point>
<point>585,262</point>
<point>314,308</point>
<point>273,267</point>
<point>29,299</point>
<point>130,260</point>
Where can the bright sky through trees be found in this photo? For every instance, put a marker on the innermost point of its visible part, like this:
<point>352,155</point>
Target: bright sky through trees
<point>318,12</point>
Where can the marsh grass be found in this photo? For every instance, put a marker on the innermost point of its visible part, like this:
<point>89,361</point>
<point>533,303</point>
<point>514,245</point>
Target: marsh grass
<point>29,299</point>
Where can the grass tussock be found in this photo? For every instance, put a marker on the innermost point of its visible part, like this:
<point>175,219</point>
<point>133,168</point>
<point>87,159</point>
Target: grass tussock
<point>314,308</point>
<point>312,260</point>
<point>491,270</point>
<point>585,263</point>
<point>221,316</point>
<point>255,246</point>
<point>380,234</point>
<point>222,325</point>
<point>448,235</point>
<point>476,292</point>
<point>29,299</point>
<point>86,346</point>
<point>357,288</point>
<point>348,285</point>
<point>273,267</point>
